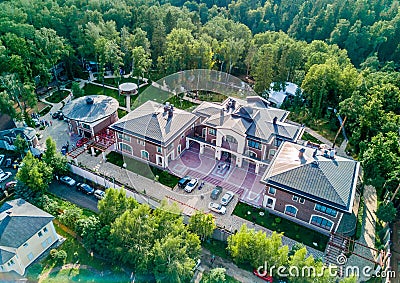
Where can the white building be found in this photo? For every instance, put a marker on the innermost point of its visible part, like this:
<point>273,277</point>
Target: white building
<point>25,233</point>
<point>277,97</point>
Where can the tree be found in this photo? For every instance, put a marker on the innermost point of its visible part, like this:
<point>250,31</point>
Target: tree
<point>33,178</point>
<point>351,279</point>
<point>202,224</point>
<point>55,159</point>
<point>71,215</point>
<point>141,61</point>
<point>386,212</point>
<point>21,145</point>
<point>216,275</point>
<point>263,71</point>
<point>114,204</point>
<point>76,89</point>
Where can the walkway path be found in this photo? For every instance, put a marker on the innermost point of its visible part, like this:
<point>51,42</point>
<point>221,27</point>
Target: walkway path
<point>367,234</point>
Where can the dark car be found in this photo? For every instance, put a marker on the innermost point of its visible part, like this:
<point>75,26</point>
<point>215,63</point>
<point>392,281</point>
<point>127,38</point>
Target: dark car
<point>216,192</point>
<point>10,186</point>
<point>60,116</point>
<point>184,181</point>
<point>56,114</point>
<point>85,188</point>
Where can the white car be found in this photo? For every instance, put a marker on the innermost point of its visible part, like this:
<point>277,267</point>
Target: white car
<point>4,176</point>
<point>68,180</point>
<point>216,207</point>
<point>227,197</point>
<point>191,185</point>
<point>99,194</point>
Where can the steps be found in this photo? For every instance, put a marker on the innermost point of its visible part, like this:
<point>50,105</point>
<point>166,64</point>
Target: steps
<point>335,253</point>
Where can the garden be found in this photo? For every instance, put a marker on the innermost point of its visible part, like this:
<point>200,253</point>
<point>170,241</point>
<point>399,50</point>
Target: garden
<point>275,223</point>
<point>138,167</point>
<point>57,96</point>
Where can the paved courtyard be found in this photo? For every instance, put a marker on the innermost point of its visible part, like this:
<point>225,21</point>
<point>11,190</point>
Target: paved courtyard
<point>241,180</point>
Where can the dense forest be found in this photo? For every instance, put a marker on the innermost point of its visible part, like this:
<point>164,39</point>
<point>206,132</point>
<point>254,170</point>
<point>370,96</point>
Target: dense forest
<point>344,54</point>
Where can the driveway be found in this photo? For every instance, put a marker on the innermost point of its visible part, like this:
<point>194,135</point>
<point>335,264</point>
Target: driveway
<point>72,195</point>
<point>241,180</point>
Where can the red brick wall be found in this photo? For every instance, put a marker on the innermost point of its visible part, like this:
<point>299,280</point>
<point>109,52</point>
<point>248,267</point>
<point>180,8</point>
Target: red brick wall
<point>107,122</point>
<point>305,210</point>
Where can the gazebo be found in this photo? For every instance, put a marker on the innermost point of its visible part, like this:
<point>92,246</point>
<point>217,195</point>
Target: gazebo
<point>128,89</point>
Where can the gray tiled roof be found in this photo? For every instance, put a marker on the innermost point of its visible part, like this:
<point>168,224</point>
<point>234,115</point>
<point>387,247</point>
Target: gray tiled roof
<point>5,255</point>
<point>328,181</point>
<point>102,106</point>
<point>19,221</point>
<point>252,117</point>
<point>149,121</point>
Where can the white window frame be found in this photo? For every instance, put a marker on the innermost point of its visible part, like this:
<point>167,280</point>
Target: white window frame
<point>287,205</point>
<point>301,200</point>
<point>316,215</point>
<point>40,234</point>
<point>148,154</point>
<point>179,149</point>
<point>125,144</point>
<point>319,211</point>
<point>124,137</point>
<point>295,198</point>
<point>269,191</point>
<point>159,149</point>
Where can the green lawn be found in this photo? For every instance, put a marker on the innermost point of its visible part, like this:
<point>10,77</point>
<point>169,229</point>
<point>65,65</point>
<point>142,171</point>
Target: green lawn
<point>217,248</point>
<point>91,89</point>
<point>275,223</point>
<point>142,169</point>
<point>84,275</point>
<point>76,253</point>
<point>121,113</point>
<point>114,82</point>
<point>181,103</point>
<point>58,96</point>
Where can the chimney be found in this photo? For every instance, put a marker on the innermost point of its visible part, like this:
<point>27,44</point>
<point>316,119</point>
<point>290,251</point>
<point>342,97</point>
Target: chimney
<point>315,153</point>
<point>89,100</point>
<point>274,120</point>
<point>221,117</point>
<point>301,153</point>
<point>332,154</point>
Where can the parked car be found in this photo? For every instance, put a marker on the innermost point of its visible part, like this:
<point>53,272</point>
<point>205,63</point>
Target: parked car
<point>198,262</point>
<point>227,197</point>
<point>4,176</point>
<point>183,182</point>
<point>81,142</point>
<point>216,192</point>
<point>85,188</point>
<point>10,186</point>
<point>56,114</point>
<point>60,116</point>
<point>68,180</point>
<point>99,194</point>
<point>36,121</point>
<point>191,185</point>
<point>265,277</point>
<point>8,162</point>
<point>216,207</point>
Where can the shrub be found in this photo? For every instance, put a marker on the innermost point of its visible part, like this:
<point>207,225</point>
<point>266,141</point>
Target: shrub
<point>61,255</point>
<point>53,253</point>
<point>277,220</point>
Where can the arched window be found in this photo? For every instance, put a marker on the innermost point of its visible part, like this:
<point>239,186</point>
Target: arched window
<point>144,154</point>
<point>230,139</point>
<point>125,147</point>
<point>290,210</point>
<point>321,222</point>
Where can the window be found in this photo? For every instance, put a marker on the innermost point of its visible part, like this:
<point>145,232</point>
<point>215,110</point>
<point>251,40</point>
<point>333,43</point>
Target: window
<point>45,229</point>
<point>44,244</point>
<point>253,144</point>
<point>271,191</point>
<point>290,210</point>
<point>270,202</point>
<point>125,147</point>
<point>272,152</point>
<point>301,200</point>
<point>277,142</point>
<point>321,222</point>
<point>11,262</point>
<point>295,198</point>
<point>230,139</point>
<point>140,142</point>
<point>212,132</point>
<point>159,149</point>
<point>145,154</point>
<point>30,256</point>
<point>40,234</point>
<point>326,210</point>
<point>85,126</point>
<point>25,245</point>
<point>124,137</point>
<point>179,149</point>
<point>170,146</point>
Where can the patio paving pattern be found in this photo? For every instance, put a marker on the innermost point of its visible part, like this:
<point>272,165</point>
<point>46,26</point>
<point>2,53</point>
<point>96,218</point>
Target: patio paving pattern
<point>241,180</point>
